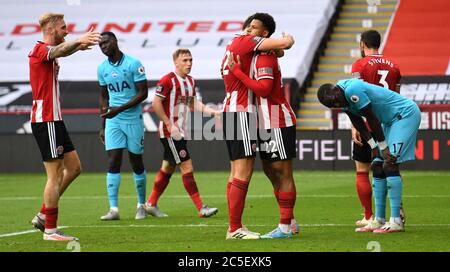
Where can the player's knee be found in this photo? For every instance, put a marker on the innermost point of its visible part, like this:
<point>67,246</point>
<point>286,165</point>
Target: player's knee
<point>391,169</point>
<point>114,166</point>
<point>377,170</point>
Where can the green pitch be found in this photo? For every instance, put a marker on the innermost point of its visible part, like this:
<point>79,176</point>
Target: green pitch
<point>327,207</point>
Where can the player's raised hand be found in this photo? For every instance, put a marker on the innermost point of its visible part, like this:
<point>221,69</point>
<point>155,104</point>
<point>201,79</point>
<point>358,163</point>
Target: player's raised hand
<point>90,38</point>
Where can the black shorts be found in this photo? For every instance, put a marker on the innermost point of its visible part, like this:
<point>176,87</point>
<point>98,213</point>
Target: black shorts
<point>362,153</point>
<point>240,133</point>
<point>52,139</point>
<point>277,144</point>
<point>175,152</point>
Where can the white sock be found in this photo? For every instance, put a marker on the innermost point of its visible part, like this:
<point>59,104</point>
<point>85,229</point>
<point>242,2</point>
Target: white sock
<point>381,220</point>
<point>139,205</point>
<point>285,227</point>
<point>396,220</point>
<point>50,231</point>
<point>114,209</point>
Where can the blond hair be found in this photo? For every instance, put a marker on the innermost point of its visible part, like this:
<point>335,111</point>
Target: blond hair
<point>179,52</point>
<point>50,17</point>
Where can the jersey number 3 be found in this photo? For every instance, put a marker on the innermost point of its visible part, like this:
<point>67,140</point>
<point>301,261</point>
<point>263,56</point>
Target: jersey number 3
<point>383,74</point>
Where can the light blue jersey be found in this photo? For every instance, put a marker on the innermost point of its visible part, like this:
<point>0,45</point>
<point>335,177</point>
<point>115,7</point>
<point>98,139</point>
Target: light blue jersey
<point>400,116</point>
<point>120,78</point>
<point>387,105</point>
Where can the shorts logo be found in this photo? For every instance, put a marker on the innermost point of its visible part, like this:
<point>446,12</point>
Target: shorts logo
<point>60,150</point>
<point>254,147</point>
<point>183,153</point>
<point>354,98</point>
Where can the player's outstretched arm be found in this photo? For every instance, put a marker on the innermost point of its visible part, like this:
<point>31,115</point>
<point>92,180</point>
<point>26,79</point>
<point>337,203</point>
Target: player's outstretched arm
<point>65,49</point>
<point>259,87</point>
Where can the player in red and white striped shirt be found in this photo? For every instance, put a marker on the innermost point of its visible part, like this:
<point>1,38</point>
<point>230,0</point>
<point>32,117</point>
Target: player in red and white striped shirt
<point>60,158</point>
<point>174,98</point>
<point>276,133</point>
<point>239,118</point>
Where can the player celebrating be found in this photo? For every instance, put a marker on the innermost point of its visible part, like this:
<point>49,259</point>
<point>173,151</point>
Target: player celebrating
<point>123,87</point>
<point>175,96</point>
<point>239,121</point>
<point>60,158</point>
<point>396,140</point>
<point>276,136</point>
<point>376,69</point>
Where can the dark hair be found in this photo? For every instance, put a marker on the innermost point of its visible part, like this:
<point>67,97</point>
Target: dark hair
<point>247,22</point>
<point>267,21</point>
<point>371,38</point>
<point>110,34</point>
<point>323,93</point>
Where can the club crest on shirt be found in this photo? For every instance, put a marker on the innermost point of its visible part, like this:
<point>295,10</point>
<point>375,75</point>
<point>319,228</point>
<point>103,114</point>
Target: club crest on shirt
<point>114,74</point>
<point>354,98</point>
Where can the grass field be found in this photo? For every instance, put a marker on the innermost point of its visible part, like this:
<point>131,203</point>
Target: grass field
<point>327,207</point>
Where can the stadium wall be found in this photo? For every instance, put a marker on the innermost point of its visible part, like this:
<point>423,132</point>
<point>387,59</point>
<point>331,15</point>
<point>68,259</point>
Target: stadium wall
<point>316,150</point>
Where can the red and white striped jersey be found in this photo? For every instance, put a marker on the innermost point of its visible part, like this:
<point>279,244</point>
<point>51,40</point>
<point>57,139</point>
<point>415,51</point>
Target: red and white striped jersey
<point>44,85</point>
<point>274,111</point>
<point>179,94</point>
<point>238,97</point>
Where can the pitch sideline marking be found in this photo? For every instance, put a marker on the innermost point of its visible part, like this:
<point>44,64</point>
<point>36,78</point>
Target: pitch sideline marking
<point>208,196</point>
<point>201,226</point>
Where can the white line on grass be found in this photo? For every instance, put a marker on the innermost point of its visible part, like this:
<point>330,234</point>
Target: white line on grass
<point>15,198</point>
<point>204,226</point>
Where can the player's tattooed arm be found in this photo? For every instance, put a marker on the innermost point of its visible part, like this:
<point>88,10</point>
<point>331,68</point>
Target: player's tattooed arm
<point>65,49</point>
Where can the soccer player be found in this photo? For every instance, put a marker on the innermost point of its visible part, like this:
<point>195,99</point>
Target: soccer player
<point>60,158</point>
<point>123,87</point>
<point>400,118</point>
<point>239,121</point>
<point>175,96</point>
<point>276,136</point>
<point>376,69</point>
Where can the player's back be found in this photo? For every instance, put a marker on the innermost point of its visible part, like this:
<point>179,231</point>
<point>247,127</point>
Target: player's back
<point>387,105</point>
<point>238,97</point>
<point>379,70</point>
<point>274,110</point>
